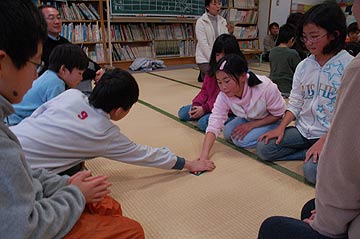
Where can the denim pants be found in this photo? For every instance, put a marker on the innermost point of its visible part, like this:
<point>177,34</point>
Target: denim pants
<point>202,121</point>
<point>251,139</point>
<point>293,146</point>
<point>287,228</point>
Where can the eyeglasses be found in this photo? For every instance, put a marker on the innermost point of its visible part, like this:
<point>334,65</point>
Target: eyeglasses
<point>39,67</point>
<point>52,18</point>
<point>312,39</point>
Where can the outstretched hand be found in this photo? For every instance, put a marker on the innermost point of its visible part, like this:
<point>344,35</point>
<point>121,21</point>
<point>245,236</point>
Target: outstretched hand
<point>198,165</point>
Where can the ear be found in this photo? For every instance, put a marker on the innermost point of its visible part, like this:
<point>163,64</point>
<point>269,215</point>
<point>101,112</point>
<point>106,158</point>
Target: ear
<point>243,77</point>
<point>335,35</point>
<point>2,57</point>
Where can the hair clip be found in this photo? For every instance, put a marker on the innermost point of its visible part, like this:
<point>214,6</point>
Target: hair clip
<point>222,65</point>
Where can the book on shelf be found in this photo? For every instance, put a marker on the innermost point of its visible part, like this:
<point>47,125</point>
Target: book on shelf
<point>81,32</point>
<point>125,52</point>
<point>242,17</point>
<point>75,11</point>
<point>247,4</point>
<point>253,44</point>
<point>99,49</point>
<point>241,32</point>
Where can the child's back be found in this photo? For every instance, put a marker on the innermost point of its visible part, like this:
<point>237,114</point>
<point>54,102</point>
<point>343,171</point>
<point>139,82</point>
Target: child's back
<point>67,63</point>
<point>283,60</point>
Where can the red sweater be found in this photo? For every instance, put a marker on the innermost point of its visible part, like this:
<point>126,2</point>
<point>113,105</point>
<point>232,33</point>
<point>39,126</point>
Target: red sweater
<point>207,95</point>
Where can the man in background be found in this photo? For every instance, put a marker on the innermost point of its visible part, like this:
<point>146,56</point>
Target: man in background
<point>54,27</point>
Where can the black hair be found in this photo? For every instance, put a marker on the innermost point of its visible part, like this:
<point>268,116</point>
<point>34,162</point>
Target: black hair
<point>227,44</point>
<point>294,18</point>
<point>235,66</point>
<point>41,7</point>
<point>22,28</point>
<point>69,55</point>
<point>116,88</point>
<point>207,3</point>
<point>353,27</point>
<point>327,15</point>
<point>273,24</point>
<point>286,32</point>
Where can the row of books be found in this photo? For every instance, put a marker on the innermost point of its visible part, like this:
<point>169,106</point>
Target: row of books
<point>174,31</point>
<point>175,48</point>
<point>236,16</point>
<point>131,32</point>
<point>126,52</point>
<point>254,44</point>
<point>76,11</point>
<point>148,32</point>
<point>245,32</point>
<point>81,32</point>
<point>95,53</point>
<point>243,3</point>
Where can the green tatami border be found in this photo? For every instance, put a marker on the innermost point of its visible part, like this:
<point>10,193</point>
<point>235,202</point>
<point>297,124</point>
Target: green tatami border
<point>168,78</point>
<point>223,141</point>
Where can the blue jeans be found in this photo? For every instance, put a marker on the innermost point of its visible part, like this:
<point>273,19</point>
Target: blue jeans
<point>251,139</point>
<point>286,227</point>
<point>202,121</point>
<point>293,146</point>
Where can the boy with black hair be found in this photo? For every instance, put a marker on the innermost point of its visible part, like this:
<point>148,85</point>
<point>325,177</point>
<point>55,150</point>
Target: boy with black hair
<point>353,46</point>
<point>34,203</point>
<point>66,66</point>
<point>88,124</point>
<point>283,59</point>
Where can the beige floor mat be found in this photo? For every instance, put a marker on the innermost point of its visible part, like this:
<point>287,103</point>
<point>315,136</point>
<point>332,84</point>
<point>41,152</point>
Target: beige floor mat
<point>189,75</point>
<point>230,202</point>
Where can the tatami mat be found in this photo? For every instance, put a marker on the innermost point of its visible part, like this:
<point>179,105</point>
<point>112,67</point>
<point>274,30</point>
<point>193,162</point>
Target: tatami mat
<point>230,202</point>
<point>184,75</point>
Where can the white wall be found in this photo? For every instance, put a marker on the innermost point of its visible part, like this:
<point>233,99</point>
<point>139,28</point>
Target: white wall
<point>280,10</point>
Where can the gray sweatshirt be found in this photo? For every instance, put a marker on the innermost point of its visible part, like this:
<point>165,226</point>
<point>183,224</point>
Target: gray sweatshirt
<point>33,203</point>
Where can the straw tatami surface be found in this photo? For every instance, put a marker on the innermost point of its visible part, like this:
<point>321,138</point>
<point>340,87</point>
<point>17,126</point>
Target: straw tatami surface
<point>230,202</point>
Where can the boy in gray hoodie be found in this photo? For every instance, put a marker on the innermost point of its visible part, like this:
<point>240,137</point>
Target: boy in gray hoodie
<point>34,203</point>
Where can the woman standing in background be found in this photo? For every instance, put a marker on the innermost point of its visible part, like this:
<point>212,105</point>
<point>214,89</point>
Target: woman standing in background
<point>208,27</point>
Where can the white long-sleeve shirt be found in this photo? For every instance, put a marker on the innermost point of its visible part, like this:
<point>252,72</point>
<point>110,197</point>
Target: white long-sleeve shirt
<point>68,130</point>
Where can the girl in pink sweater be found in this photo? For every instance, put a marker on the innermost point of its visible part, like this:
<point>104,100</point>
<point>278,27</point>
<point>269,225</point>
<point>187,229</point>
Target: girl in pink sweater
<point>202,104</point>
<point>255,100</point>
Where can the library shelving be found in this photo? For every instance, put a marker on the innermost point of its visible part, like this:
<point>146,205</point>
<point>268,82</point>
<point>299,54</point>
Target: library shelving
<point>243,14</point>
<point>167,38</point>
<point>83,24</point>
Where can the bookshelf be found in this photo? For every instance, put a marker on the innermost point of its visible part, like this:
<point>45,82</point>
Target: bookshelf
<point>166,38</point>
<point>243,14</point>
<point>83,24</point>
<point>90,24</point>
